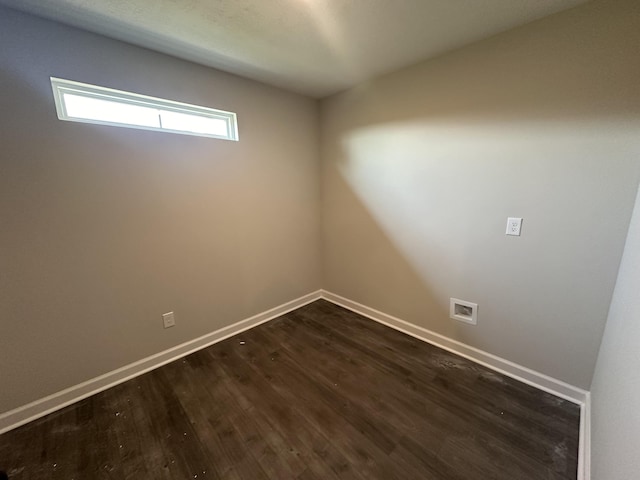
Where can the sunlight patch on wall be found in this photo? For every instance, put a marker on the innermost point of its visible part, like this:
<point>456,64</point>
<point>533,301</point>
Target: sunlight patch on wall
<point>441,193</point>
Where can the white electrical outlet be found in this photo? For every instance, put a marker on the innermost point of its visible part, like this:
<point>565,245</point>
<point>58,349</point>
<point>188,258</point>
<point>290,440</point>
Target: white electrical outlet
<point>168,319</point>
<point>513,226</point>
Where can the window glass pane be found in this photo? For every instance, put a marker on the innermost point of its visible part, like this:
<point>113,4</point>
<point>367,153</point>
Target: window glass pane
<point>193,123</point>
<point>110,111</point>
<point>82,102</point>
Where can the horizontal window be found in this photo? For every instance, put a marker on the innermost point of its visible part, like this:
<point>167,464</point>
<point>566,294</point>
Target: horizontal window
<point>81,102</point>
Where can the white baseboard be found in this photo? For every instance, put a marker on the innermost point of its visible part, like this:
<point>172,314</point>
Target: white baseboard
<point>506,367</point>
<point>34,410</point>
<point>584,450</point>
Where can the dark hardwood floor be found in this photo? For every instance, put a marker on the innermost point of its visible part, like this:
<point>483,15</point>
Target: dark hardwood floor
<point>320,393</point>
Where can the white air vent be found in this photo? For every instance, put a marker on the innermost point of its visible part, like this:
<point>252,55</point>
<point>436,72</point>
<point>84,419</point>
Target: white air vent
<point>464,311</point>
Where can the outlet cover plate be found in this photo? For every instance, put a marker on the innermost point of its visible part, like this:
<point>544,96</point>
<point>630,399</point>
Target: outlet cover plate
<point>168,319</point>
<point>514,225</point>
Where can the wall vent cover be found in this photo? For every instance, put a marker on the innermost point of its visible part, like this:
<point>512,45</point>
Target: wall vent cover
<point>464,311</point>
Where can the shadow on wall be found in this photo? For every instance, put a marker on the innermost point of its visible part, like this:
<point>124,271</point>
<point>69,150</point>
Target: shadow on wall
<point>103,229</point>
<point>359,237</point>
<point>84,212</point>
<point>426,164</point>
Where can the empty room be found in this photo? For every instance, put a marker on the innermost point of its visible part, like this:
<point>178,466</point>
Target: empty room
<point>320,239</point>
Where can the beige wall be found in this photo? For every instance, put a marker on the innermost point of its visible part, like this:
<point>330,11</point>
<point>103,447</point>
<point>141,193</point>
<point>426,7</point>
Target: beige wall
<point>616,383</point>
<point>103,229</point>
<point>421,169</point>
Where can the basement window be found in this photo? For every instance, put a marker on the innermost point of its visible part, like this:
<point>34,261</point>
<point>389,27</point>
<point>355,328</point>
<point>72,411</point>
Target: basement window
<point>81,102</point>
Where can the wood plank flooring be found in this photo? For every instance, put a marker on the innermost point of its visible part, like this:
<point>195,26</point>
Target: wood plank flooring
<point>320,393</point>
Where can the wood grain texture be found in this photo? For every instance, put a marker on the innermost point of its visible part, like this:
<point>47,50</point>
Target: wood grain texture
<point>320,393</point>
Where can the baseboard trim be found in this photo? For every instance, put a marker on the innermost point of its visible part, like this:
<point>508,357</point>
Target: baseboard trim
<point>584,448</point>
<point>506,367</point>
<point>39,408</point>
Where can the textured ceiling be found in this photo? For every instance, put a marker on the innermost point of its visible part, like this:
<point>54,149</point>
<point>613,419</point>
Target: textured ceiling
<point>315,47</point>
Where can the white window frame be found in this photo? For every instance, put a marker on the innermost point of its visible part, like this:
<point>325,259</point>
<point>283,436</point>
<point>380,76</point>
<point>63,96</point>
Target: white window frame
<point>61,86</point>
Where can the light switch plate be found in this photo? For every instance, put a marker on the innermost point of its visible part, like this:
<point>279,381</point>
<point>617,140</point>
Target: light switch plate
<point>513,226</point>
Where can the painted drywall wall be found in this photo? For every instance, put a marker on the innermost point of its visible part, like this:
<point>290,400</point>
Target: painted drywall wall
<point>422,167</point>
<point>615,425</point>
<point>103,229</point>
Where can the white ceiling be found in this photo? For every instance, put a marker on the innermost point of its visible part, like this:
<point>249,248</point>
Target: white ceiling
<point>314,47</point>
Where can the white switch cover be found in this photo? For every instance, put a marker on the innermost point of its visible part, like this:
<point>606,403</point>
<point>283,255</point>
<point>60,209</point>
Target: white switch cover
<point>168,319</point>
<point>513,226</point>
